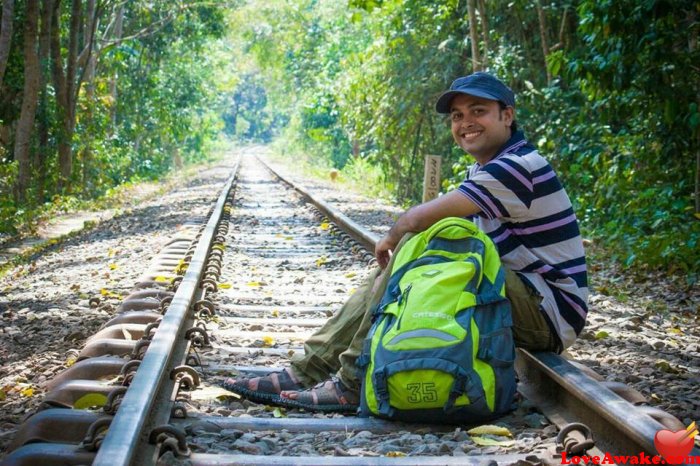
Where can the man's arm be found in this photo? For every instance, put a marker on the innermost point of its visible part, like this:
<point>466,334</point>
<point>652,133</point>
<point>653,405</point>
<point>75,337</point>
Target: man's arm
<point>420,217</point>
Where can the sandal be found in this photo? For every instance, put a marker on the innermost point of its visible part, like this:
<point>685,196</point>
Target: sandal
<point>265,389</point>
<point>328,396</point>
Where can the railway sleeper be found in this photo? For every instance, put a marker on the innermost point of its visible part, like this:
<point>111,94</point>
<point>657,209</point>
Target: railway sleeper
<point>55,426</point>
<point>97,368</point>
<point>126,331</point>
<point>134,317</point>
<point>108,347</point>
<point>49,454</point>
<point>69,392</point>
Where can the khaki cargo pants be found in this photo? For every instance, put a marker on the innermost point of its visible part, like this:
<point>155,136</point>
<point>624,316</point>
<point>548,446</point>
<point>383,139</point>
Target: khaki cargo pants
<point>335,347</point>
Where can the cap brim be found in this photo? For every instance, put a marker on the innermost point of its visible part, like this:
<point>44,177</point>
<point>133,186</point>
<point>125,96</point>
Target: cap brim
<point>443,103</point>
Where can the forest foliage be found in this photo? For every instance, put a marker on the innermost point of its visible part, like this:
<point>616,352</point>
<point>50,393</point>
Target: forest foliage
<point>98,93</point>
<point>608,90</point>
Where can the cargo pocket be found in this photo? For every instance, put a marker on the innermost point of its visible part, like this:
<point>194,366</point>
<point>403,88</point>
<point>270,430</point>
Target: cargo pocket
<point>496,348</point>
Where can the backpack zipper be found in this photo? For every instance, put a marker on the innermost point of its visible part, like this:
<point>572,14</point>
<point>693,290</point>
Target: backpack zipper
<point>403,299</point>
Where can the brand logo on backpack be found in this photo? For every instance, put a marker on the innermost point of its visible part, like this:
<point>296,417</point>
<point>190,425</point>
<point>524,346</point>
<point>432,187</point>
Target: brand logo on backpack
<point>432,315</point>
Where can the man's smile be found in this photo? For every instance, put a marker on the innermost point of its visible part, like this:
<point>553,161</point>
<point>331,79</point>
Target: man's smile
<point>471,135</point>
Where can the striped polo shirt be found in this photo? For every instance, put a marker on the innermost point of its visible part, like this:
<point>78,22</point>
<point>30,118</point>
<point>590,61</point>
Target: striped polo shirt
<point>528,215</point>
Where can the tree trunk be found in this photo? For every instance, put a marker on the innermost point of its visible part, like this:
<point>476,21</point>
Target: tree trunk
<point>692,46</point>
<point>118,31</point>
<point>474,35</point>
<point>543,38</point>
<point>59,84</point>
<point>697,172</point>
<point>23,134</point>
<point>66,88</point>
<point>485,33</point>
<point>90,26</point>
<point>8,12</point>
<point>414,155</point>
<point>42,152</point>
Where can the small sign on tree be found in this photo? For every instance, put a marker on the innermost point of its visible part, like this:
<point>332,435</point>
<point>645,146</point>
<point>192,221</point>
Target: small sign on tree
<point>431,177</point>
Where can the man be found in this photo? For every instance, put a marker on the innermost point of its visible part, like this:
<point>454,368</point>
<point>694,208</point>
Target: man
<point>514,196</point>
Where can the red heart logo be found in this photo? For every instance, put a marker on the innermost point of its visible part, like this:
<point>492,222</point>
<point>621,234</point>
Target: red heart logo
<point>674,446</point>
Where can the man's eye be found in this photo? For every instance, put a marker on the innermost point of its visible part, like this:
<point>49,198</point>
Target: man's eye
<point>456,117</point>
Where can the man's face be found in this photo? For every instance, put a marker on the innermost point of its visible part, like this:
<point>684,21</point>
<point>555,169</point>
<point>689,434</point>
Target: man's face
<point>480,126</point>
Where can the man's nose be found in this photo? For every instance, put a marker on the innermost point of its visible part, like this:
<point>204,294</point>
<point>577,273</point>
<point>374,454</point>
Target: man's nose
<point>466,121</point>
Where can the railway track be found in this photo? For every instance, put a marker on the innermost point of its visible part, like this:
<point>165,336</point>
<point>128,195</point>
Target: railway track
<point>240,292</point>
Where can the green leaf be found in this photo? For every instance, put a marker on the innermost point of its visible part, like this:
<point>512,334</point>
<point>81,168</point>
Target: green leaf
<point>90,400</point>
<point>485,441</point>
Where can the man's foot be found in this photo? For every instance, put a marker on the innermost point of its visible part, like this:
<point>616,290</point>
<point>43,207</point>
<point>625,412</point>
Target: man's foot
<point>265,389</point>
<point>328,396</point>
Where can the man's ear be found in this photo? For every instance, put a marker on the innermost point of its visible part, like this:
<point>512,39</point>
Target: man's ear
<point>508,115</point>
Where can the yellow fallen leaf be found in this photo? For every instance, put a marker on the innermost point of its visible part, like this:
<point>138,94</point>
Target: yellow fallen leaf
<point>350,274</point>
<point>254,284</point>
<point>224,285</point>
<point>485,442</point>
<point>113,266</point>
<point>220,247</point>
<point>675,330</point>
<point>602,334</point>
<point>321,260</point>
<point>90,400</point>
<point>395,454</point>
<point>666,367</point>
<point>325,226</point>
<point>268,341</point>
<point>70,361</point>
<point>275,313</point>
<point>181,267</point>
<point>28,392</point>
<point>109,294</point>
<point>288,238</point>
<point>160,279</point>
<point>489,429</point>
<point>278,413</point>
<point>110,252</point>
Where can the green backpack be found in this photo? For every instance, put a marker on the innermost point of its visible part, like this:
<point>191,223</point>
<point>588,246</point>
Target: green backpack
<point>440,348</point>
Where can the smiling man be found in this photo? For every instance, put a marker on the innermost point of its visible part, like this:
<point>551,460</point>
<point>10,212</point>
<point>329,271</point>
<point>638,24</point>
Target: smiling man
<point>514,196</point>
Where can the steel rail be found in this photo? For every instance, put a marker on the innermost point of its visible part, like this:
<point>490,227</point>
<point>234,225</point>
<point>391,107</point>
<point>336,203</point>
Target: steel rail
<point>363,236</point>
<point>565,395</point>
<point>127,429</point>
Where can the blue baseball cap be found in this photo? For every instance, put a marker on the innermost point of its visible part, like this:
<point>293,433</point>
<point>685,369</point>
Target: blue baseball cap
<point>478,84</point>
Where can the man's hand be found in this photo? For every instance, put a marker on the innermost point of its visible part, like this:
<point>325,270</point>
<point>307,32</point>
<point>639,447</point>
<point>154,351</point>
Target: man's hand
<point>420,217</point>
<point>382,250</point>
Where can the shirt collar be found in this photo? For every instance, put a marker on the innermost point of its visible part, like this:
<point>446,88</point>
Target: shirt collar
<point>516,141</point>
